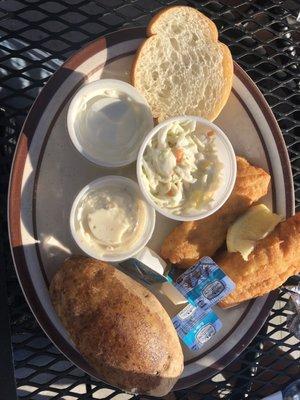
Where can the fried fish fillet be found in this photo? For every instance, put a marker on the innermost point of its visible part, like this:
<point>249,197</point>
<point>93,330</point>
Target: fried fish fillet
<point>273,260</point>
<point>190,241</point>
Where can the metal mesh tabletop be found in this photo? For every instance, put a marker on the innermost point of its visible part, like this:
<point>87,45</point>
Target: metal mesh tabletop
<point>36,37</point>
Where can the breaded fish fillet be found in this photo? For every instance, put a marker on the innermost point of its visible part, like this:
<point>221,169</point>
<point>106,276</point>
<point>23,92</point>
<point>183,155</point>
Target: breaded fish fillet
<point>190,241</point>
<point>273,260</point>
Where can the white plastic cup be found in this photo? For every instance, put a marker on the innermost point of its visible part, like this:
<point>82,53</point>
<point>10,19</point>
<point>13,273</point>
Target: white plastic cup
<point>111,142</point>
<point>113,180</point>
<point>226,156</point>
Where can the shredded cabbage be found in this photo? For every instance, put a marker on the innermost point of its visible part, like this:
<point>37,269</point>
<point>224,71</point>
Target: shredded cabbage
<point>181,168</point>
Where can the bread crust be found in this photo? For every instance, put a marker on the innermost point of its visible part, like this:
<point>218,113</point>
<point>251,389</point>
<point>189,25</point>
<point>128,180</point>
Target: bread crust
<point>227,57</point>
<point>118,325</point>
<point>169,10</point>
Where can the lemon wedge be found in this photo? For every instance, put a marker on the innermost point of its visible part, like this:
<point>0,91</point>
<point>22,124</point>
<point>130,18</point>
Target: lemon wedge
<point>252,226</point>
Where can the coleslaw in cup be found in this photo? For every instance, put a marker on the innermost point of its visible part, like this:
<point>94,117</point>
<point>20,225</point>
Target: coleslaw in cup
<point>186,168</point>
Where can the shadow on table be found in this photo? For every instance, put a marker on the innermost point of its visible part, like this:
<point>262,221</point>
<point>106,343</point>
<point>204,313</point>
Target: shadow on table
<point>257,371</point>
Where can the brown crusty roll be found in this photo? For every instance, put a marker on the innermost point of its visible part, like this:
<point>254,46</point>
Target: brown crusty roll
<point>118,325</point>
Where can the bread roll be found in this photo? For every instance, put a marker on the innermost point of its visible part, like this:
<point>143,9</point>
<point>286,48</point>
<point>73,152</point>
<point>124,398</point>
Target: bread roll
<point>182,68</point>
<point>119,326</point>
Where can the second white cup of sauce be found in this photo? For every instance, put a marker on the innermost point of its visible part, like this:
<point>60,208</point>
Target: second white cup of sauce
<point>110,220</point>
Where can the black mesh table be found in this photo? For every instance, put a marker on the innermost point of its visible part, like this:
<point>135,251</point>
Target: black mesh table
<point>36,37</point>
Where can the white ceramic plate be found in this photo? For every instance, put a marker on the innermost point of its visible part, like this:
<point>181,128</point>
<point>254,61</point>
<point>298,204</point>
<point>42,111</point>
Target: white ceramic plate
<point>48,172</point>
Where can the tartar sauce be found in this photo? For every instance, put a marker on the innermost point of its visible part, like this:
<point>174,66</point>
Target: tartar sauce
<point>109,220</point>
<point>107,121</point>
<point>181,169</point>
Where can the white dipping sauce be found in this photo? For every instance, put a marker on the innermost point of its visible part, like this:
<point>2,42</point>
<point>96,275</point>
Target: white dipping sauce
<point>110,220</point>
<point>107,121</point>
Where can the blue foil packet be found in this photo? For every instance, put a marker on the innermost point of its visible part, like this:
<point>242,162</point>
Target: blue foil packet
<point>196,327</point>
<point>204,284</point>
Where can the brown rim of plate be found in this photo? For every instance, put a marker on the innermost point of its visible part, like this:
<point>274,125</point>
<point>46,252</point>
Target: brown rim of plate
<point>14,202</point>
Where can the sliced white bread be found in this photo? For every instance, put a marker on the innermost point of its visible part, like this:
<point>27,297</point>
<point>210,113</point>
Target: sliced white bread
<point>182,68</point>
